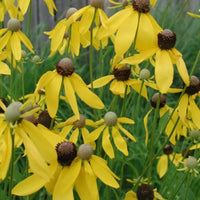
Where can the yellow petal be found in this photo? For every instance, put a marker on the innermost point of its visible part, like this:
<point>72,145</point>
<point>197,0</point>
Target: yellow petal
<point>85,94</point>
<point>45,79</point>
<point>102,171</point>
<point>193,15</point>
<point>162,165</point>
<point>86,185</point>
<point>4,40</point>
<point>29,185</point>
<point>67,194</point>
<point>130,195</point>
<point>66,130</point>
<point>106,144</point>
<point>164,71</point>
<point>125,120</point>
<point>95,134</point>
<point>195,112</point>
<point>75,38</point>
<point>119,141</point>
<point>4,69</point>
<point>182,107</point>
<point>74,136</point>
<point>15,46</point>
<point>129,135</point>
<point>52,91</point>
<point>119,88</point>
<point>101,81</point>
<point>69,93</point>
<point>66,180</point>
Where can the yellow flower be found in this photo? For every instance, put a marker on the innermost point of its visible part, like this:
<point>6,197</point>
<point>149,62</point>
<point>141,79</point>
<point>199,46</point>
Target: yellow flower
<point>124,23</point>
<point>12,38</point>
<point>165,56</point>
<point>76,127</point>
<point>162,165</point>
<point>64,74</point>
<point>111,123</point>
<point>24,4</point>
<point>120,80</point>
<point>71,169</point>
<point>13,124</point>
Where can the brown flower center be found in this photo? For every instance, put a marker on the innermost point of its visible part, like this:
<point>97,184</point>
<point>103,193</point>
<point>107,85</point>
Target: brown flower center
<point>81,122</point>
<point>66,152</point>
<point>13,24</point>
<point>154,100</point>
<point>97,3</point>
<point>194,86</point>
<point>168,149</point>
<point>141,6</point>
<point>166,39</point>
<point>145,192</point>
<point>65,67</point>
<point>122,73</point>
<point>45,119</point>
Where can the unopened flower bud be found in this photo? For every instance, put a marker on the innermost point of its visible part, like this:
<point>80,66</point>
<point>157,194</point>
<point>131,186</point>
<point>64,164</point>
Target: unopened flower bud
<point>97,3</point>
<point>145,192</point>
<point>65,67</point>
<point>70,12</point>
<point>24,54</point>
<point>66,152</point>
<point>110,118</point>
<point>36,59</point>
<point>195,134</point>
<point>154,100</point>
<point>85,151</point>
<point>81,122</point>
<point>13,24</point>
<point>144,74</point>
<point>12,112</point>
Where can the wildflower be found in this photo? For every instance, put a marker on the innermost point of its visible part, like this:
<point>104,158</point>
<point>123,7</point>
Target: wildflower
<point>77,127</point>
<point>162,165</point>
<point>144,191</point>
<point>165,56</point>
<point>72,168</point>
<point>120,80</point>
<point>12,123</point>
<point>124,23</point>
<point>12,37</point>
<point>112,124</point>
<point>24,4</point>
<point>52,82</point>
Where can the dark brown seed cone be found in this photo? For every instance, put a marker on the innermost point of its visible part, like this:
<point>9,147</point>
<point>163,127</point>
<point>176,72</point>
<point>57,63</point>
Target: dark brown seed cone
<point>97,3</point>
<point>186,153</point>
<point>32,119</point>
<point>141,6</point>
<point>4,102</point>
<point>122,73</point>
<point>166,39</point>
<point>154,100</point>
<point>194,86</point>
<point>168,149</point>
<point>80,123</point>
<point>145,192</point>
<point>65,67</point>
<point>45,119</point>
<point>66,152</point>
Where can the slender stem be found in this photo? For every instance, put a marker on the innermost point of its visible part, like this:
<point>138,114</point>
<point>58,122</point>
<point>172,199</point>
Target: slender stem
<point>12,164</point>
<point>69,40</point>
<point>124,101</point>
<point>113,103</point>
<point>91,49</point>
<point>165,13</point>
<point>11,77</point>
<point>29,18</point>
<point>22,79</point>
<point>179,13</point>
<point>189,178</point>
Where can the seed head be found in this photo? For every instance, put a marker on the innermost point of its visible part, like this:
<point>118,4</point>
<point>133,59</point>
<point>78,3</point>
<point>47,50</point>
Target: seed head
<point>70,12</point>
<point>85,151</point>
<point>65,67</point>
<point>195,134</point>
<point>45,119</point>
<point>168,149</point>
<point>141,6</point>
<point>81,122</point>
<point>24,54</point>
<point>36,59</point>
<point>154,100</point>
<point>191,162</point>
<point>194,86</point>
<point>122,73</point>
<point>13,24</point>
<point>12,112</point>
<point>166,39</point>
<point>145,192</point>
<point>145,74</point>
<point>110,118</point>
<point>66,152</point>
<point>97,3</point>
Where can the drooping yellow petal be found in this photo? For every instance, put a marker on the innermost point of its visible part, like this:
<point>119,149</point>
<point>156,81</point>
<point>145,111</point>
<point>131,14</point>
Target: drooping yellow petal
<point>84,93</point>
<point>130,195</point>
<point>15,46</point>
<point>74,136</point>
<point>75,38</point>
<point>25,40</point>
<point>129,135</point>
<point>102,171</point>
<point>119,88</point>
<point>182,107</point>
<point>101,81</point>
<point>52,91</point>
<point>119,141</point>
<point>85,184</point>
<point>193,15</point>
<point>195,112</point>
<point>66,130</point>
<point>125,120</point>
<point>3,126</point>
<point>162,165</point>
<point>164,71</point>
<point>66,180</point>
<point>95,134</point>
<point>2,31</point>
<point>4,40</point>
<point>70,94</point>
<point>67,194</point>
<point>45,79</point>
<point>4,69</point>
<point>29,185</point>
<point>106,144</point>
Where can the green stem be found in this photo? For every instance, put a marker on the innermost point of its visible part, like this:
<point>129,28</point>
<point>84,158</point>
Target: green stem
<point>91,50</point>
<point>69,39</point>
<point>179,13</point>
<point>124,101</point>
<point>165,13</point>
<point>12,164</point>
<point>29,18</point>
<point>113,103</point>
<point>11,77</point>
<point>189,178</point>
<point>22,79</point>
